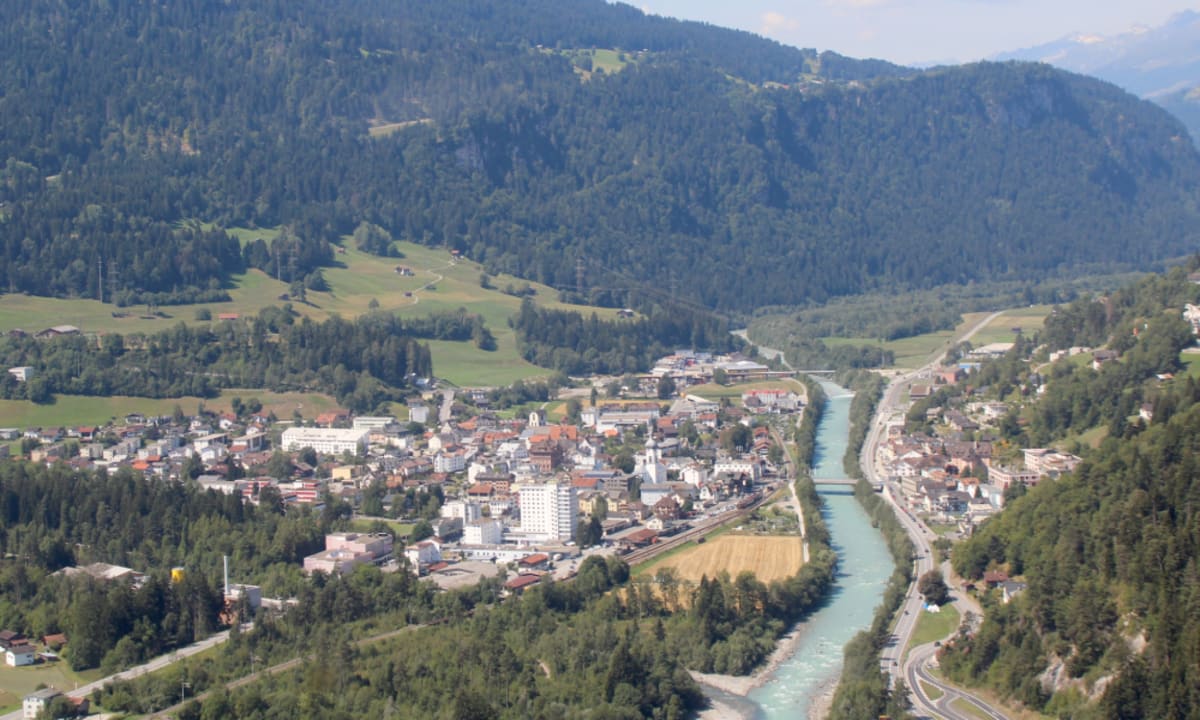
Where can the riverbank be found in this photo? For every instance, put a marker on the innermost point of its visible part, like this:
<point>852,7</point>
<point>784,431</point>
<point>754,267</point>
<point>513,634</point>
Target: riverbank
<point>741,685</point>
<point>729,687</point>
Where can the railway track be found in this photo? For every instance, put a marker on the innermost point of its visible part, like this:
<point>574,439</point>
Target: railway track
<point>645,554</point>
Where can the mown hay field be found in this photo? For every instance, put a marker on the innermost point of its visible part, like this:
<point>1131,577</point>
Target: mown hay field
<point>769,557</point>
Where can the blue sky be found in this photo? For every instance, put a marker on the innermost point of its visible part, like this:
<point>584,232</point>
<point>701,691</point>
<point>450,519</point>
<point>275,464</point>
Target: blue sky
<point>921,31</point>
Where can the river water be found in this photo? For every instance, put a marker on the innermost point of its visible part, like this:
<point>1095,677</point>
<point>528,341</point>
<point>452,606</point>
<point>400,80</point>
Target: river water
<point>864,566</point>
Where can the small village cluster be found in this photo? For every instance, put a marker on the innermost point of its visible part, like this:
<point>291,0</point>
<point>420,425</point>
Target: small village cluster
<point>955,476</point>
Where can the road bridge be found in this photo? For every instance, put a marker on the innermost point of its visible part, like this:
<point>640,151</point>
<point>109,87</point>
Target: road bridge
<point>835,481</point>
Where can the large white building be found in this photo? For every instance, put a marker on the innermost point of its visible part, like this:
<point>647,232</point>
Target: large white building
<point>549,510</point>
<point>485,531</point>
<point>370,422</point>
<point>327,441</point>
<point>450,462</point>
<point>466,510</point>
<point>735,468</point>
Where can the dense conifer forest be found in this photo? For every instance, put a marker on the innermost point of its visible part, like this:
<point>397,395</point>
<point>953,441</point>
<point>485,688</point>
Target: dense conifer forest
<point>570,343</point>
<point>708,164</point>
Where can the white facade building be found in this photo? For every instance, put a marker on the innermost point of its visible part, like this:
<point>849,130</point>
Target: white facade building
<point>373,422</point>
<point>327,441</point>
<point>734,468</point>
<point>418,413</point>
<point>450,462</point>
<point>466,510</point>
<point>486,531</point>
<point>549,510</point>
<point>694,475</point>
<point>37,701</point>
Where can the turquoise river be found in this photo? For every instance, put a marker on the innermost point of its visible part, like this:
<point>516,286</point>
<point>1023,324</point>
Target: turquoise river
<point>864,566</point>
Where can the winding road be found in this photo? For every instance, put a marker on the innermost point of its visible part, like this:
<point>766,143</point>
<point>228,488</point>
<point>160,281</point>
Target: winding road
<point>892,660</point>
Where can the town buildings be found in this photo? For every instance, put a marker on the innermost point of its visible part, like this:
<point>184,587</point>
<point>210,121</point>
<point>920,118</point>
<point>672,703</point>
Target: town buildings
<point>549,511</point>
<point>327,441</point>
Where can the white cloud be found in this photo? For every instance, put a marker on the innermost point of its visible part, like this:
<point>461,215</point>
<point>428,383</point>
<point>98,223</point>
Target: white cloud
<point>774,23</point>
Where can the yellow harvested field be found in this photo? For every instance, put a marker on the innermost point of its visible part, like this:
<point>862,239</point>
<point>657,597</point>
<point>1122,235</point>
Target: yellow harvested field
<point>769,557</point>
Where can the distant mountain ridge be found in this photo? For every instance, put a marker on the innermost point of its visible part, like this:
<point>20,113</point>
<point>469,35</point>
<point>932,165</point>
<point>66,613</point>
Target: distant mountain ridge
<point>687,162</point>
<point>1159,63</point>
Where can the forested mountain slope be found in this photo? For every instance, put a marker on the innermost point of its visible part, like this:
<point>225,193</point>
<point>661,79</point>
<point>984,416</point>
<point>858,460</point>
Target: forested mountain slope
<point>1109,555</point>
<point>722,168</point>
<point>1109,624</point>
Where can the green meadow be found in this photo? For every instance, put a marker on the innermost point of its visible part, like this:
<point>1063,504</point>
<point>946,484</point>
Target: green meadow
<point>17,682</point>
<point>73,410</point>
<point>438,282</point>
<point>915,351</point>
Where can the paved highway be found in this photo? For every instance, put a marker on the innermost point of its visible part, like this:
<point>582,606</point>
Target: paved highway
<point>916,673</point>
<point>892,659</point>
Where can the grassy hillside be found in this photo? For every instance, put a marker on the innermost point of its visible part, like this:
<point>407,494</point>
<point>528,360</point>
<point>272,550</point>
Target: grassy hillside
<point>71,410</point>
<point>439,282</point>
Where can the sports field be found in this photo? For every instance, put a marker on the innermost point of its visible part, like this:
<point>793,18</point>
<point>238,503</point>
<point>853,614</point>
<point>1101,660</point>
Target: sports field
<point>769,557</point>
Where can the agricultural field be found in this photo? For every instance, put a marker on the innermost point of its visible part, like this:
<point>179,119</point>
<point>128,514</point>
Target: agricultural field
<point>1191,362</point>
<point>16,683</point>
<point>73,410</point>
<point>915,351</point>
<point>1003,328</point>
<point>769,557</point>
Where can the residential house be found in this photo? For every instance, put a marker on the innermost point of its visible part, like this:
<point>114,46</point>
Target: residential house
<point>333,418</point>
<point>960,422</point>
<point>1009,589</point>
<point>20,655</point>
<point>1102,357</point>
<point>1004,477</point>
<point>23,373</point>
<point>667,509</point>
<point>1049,463</point>
<point>35,702</point>
<point>57,331</point>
